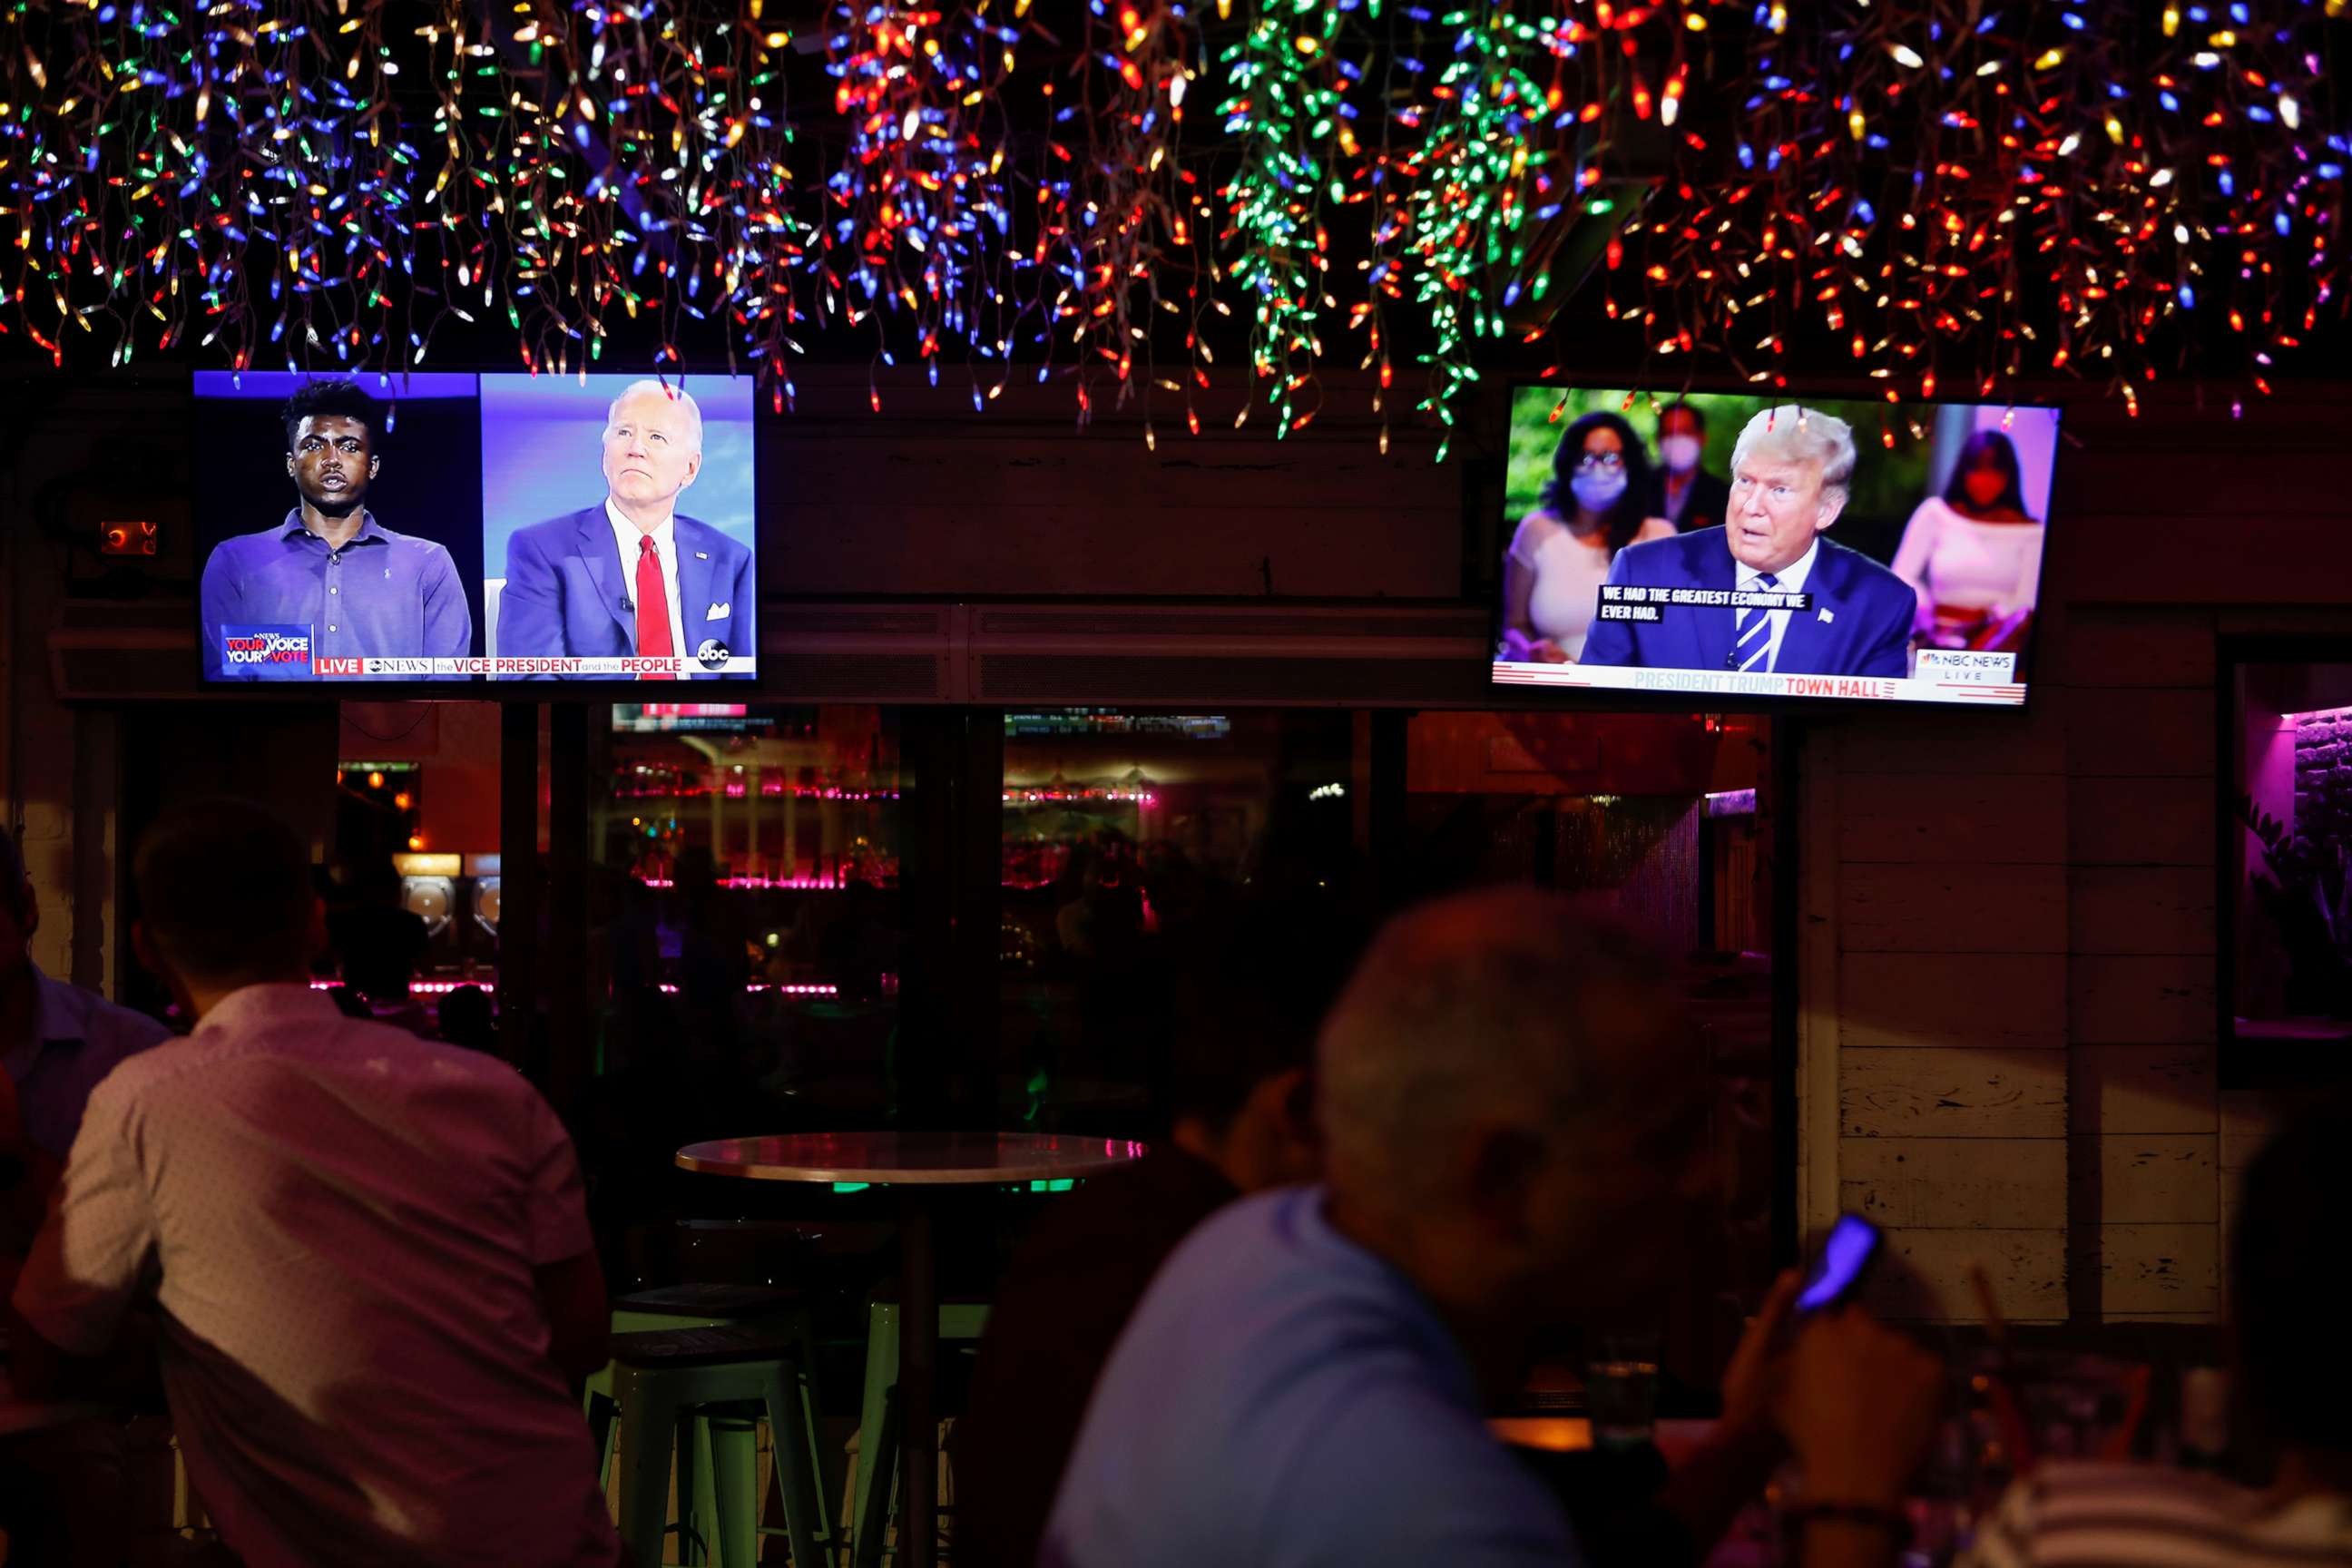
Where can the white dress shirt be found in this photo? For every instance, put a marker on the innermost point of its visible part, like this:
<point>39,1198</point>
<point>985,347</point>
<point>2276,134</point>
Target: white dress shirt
<point>1792,580</point>
<point>626,535</point>
<point>341,1224</point>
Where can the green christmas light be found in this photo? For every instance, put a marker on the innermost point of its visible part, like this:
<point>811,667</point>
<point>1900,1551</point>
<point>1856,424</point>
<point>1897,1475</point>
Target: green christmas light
<point>1284,109</point>
<point>1467,199</point>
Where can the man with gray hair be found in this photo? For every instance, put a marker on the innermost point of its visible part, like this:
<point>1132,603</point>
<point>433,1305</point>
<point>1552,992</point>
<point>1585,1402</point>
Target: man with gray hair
<point>1792,472</point>
<point>635,577</point>
<point>1514,1129</point>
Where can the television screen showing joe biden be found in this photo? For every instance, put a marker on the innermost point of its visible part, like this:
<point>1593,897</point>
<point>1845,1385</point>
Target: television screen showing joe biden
<point>461,528</point>
<point>1748,547</point>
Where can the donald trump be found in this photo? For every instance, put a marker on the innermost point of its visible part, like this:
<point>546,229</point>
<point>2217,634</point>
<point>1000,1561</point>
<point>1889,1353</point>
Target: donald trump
<point>1791,471</point>
<point>634,578</point>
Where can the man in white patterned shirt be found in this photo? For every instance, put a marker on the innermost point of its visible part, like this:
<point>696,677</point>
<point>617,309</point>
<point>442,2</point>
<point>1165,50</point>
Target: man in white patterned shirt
<point>370,1254</point>
<point>2291,1275</point>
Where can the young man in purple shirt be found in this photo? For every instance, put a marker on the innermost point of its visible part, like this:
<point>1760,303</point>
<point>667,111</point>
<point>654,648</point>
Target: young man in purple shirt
<point>359,590</point>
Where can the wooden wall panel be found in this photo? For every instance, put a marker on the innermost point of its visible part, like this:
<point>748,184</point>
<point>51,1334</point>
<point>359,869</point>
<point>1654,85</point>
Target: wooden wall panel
<point>2139,999</point>
<point>2140,821</point>
<point>2138,732</point>
<point>2156,560</point>
<point>2247,1118</point>
<point>932,498</point>
<point>2142,910</point>
<point>1925,1275</point>
<point>2027,936</point>
<point>2033,742</point>
<point>2101,648</point>
<point>1952,908</point>
<point>1985,818</point>
<point>1946,1183</point>
<point>2170,1269</point>
<point>2141,1089</point>
<point>1035,548</point>
<point>2120,481</point>
<point>1957,1093</point>
<point>1898,999</point>
<point>2168,1178</point>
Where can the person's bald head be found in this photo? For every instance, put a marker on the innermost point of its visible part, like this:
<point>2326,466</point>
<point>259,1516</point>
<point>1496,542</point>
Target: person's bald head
<point>1505,1078</point>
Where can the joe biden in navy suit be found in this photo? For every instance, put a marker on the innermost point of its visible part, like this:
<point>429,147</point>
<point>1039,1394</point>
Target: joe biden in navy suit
<point>632,576</point>
<point>1789,473</point>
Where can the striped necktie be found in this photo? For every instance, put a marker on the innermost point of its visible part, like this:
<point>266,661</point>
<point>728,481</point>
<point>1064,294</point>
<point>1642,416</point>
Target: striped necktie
<point>1751,645</point>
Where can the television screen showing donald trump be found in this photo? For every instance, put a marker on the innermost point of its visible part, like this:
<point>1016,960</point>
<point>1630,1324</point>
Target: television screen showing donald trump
<point>465,529</point>
<point>1749,548</point>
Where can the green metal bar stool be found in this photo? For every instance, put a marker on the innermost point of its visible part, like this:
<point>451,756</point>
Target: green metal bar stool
<point>718,1440</point>
<point>662,1382</point>
<point>872,1506</point>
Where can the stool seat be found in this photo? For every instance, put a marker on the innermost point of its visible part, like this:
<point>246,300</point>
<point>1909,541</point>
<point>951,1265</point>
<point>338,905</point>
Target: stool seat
<point>670,1348</point>
<point>735,1301</point>
<point>677,1389</point>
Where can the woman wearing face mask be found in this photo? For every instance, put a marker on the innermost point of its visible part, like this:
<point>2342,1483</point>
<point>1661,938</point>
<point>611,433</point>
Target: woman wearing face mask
<point>1974,555</point>
<point>1601,498</point>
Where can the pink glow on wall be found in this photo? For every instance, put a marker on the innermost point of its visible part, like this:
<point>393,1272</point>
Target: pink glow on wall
<point>443,987</point>
<point>2270,771</point>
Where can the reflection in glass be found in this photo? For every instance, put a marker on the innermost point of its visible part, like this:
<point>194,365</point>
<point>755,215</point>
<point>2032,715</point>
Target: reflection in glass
<point>412,870</point>
<point>745,921</point>
<point>1124,835</point>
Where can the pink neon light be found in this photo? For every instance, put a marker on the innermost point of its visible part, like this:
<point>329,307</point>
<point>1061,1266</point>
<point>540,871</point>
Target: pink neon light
<point>1027,796</point>
<point>2316,713</point>
<point>422,987</point>
<point>768,789</point>
<point>443,987</point>
<point>819,884</point>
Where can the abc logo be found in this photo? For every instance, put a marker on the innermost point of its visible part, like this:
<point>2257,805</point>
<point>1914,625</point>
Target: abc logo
<point>712,654</point>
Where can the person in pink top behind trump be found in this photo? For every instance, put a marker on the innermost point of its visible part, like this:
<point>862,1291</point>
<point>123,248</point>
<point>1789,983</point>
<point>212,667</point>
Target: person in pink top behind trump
<point>633,576</point>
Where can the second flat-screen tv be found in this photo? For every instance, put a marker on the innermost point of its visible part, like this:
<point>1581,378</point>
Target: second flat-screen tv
<point>452,528</point>
<point>1755,549</point>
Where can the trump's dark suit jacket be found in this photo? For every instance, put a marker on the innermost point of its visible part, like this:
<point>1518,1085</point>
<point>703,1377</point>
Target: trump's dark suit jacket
<point>1860,623</point>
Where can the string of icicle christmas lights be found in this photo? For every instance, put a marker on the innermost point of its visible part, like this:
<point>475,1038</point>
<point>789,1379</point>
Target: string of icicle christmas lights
<point>1290,71</point>
<point>629,164</point>
<point>236,178</point>
<point>1956,194</point>
<point>1135,215</point>
<point>1123,224</point>
<point>1464,207</point>
<point>918,214</point>
<point>1966,196</point>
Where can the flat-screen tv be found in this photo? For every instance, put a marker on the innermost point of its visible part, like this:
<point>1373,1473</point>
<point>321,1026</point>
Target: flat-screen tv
<point>441,529</point>
<point>1761,549</point>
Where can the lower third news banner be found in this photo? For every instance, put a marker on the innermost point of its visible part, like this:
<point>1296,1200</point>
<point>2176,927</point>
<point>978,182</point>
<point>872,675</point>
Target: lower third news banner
<point>289,653</point>
<point>1935,675</point>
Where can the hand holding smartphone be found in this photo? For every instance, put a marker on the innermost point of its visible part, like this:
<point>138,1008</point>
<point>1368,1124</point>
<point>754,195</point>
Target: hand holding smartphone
<point>1844,1256</point>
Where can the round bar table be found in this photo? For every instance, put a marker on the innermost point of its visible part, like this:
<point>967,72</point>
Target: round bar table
<point>918,1164</point>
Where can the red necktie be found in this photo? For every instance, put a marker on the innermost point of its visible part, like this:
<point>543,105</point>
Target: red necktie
<point>652,608</point>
